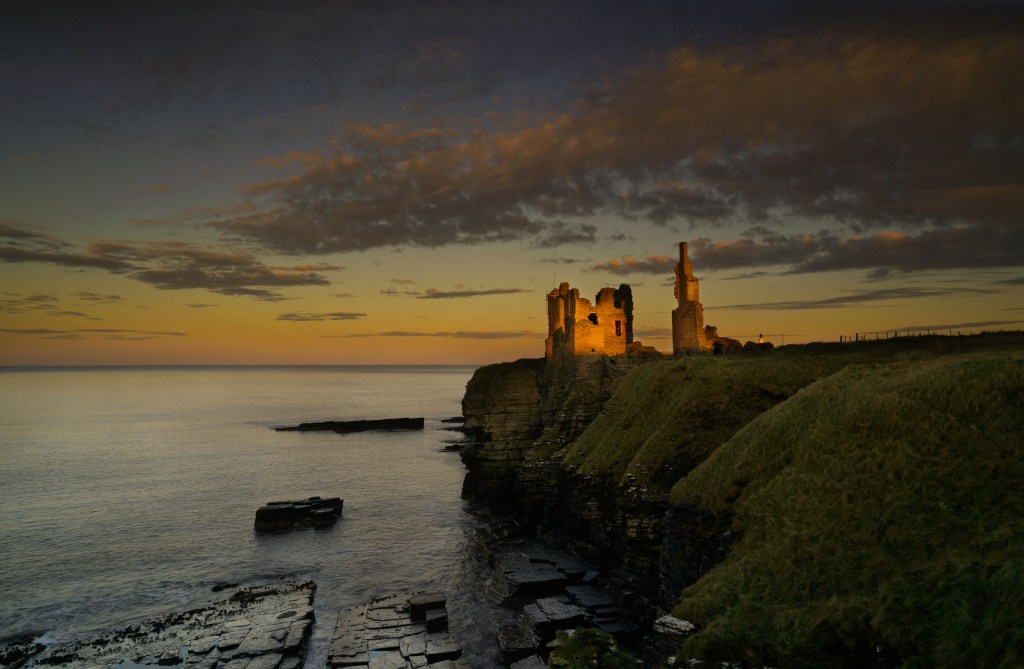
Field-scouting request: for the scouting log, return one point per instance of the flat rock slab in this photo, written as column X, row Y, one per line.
column 532, row 662
column 591, row 596
column 256, row 627
column 404, row 631
column 516, row 642
column 548, row 615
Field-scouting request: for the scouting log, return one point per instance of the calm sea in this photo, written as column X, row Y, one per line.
column 128, row 492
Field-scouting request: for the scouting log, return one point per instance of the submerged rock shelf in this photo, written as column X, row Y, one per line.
column 350, row 426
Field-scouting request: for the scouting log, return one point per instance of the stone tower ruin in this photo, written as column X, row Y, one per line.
column 688, row 335
column 575, row 327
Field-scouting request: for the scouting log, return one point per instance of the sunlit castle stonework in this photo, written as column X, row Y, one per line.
column 688, row 334
column 575, row 327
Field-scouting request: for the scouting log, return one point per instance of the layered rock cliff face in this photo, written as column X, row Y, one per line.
column 502, row 408
column 588, row 451
column 522, row 416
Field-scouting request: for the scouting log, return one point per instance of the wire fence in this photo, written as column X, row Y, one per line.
column 779, row 339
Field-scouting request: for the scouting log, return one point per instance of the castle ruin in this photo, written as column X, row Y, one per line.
column 575, row 327
column 688, row 333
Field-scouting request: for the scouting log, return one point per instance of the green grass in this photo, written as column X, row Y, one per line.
column 882, row 505
column 667, row 417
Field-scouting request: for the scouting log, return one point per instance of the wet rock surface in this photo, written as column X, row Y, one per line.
column 257, row 627
column 405, row 631
column 318, row 512
column 554, row 590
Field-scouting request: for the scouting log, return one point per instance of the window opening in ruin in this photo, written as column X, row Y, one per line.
column 618, row 328
column 593, row 318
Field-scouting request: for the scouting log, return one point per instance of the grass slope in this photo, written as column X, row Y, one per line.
column 667, row 417
column 880, row 506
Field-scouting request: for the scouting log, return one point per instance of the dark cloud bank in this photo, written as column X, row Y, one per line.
column 902, row 141
column 167, row 265
column 907, row 147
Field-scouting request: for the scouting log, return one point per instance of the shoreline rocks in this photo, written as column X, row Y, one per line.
column 263, row 626
column 405, row 631
column 555, row 590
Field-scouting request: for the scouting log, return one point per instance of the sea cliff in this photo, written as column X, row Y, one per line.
column 660, row 472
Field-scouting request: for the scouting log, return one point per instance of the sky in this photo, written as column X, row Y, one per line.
column 340, row 182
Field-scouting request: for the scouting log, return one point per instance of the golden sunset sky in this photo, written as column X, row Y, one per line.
column 361, row 182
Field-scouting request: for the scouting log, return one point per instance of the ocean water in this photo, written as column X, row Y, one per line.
column 127, row 493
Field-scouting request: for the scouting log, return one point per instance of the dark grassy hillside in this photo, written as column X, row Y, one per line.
column 666, row 417
column 880, row 506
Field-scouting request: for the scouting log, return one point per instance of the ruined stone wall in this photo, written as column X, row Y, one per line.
column 577, row 328
column 614, row 311
column 588, row 338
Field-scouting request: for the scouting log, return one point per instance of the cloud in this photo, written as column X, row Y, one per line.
column 167, row 265
column 318, row 267
column 74, row 314
column 559, row 233
column 145, row 332
column 823, row 125
column 96, row 297
column 30, row 331
column 857, row 298
column 434, row 294
column 201, row 305
column 561, row 261
column 391, row 291
column 649, row 265
column 93, row 333
column 332, row 316
column 17, row 303
column 18, row 244
column 403, row 282
column 963, row 246
column 453, row 334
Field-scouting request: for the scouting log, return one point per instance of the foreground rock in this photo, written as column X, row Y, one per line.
column 257, row 627
column 310, row 512
column 347, row 426
column 397, row 632
column 557, row 591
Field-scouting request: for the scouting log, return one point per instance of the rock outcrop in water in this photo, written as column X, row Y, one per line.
column 315, row 512
column 350, row 426
column 257, row 627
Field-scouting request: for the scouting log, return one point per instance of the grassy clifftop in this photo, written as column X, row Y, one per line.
column 880, row 506
column 877, row 490
column 667, row 417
